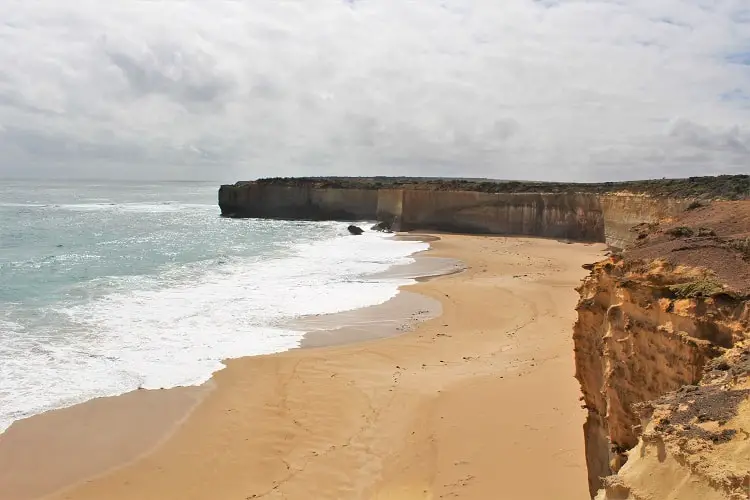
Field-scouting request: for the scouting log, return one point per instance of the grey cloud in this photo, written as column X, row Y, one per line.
column 582, row 90
column 732, row 139
column 172, row 73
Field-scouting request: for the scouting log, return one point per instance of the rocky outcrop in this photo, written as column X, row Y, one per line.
column 661, row 349
column 382, row 227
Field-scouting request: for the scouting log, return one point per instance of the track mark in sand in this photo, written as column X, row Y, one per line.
column 396, row 378
column 368, row 424
column 284, row 404
column 461, row 483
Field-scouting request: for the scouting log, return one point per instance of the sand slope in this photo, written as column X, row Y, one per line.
column 479, row 403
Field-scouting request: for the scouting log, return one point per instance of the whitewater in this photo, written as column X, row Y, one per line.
column 108, row 287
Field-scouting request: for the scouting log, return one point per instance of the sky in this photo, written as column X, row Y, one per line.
column 579, row 90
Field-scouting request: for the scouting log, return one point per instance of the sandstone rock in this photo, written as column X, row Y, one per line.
column 664, row 374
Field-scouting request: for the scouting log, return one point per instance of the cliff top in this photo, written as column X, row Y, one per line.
column 714, row 236
column 727, row 187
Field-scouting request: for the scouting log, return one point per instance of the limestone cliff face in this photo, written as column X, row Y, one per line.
column 297, row 202
column 646, row 329
column 575, row 216
column 571, row 216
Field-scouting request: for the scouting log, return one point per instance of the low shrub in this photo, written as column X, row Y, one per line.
column 695, row 289
column 741, row 245
column 680, row 231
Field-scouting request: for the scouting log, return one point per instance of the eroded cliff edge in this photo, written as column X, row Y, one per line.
column 662, row 348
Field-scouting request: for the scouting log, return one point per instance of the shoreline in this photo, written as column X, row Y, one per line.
column 174, row 405
column 398, row 315
column 292, row 424
column 129, row 332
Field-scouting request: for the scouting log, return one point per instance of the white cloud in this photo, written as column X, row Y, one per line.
column 567, row 89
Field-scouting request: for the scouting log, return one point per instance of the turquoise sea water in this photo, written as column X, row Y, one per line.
column 108, row 287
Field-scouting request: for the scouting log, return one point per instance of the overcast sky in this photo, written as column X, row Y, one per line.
column 226, row 90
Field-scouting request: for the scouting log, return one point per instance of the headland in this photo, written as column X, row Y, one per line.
column 603, row 212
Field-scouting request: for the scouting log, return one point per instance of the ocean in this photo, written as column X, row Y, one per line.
column 108, row 287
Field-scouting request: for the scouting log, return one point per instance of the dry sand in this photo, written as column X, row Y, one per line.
column 477, row 403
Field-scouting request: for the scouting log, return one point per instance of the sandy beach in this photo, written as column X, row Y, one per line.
column 477, row 403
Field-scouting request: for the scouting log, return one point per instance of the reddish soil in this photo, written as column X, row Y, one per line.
column 715, row 236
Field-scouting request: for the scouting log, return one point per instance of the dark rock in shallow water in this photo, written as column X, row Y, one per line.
column 355, row 230
column 383, row 227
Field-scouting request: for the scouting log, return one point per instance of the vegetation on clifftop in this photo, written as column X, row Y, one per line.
column 697, row 288
column 727, row 187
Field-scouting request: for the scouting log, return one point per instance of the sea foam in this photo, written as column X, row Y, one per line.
column 175, row 326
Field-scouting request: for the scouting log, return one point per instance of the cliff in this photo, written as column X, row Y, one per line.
column 662, row 351
column 582, row 212
column 662, row 340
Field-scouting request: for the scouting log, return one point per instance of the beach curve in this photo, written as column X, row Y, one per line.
column 472, row 404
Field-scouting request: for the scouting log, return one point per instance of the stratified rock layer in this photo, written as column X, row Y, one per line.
column 661, row 347
column 695, row 443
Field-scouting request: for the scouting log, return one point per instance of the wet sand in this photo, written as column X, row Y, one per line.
column 45, row 453
column 478, row 403
column 400, row 314
column 86, row 440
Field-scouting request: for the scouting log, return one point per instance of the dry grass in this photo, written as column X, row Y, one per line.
column 696, row 289
column 680, row 232
column 741, row 245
